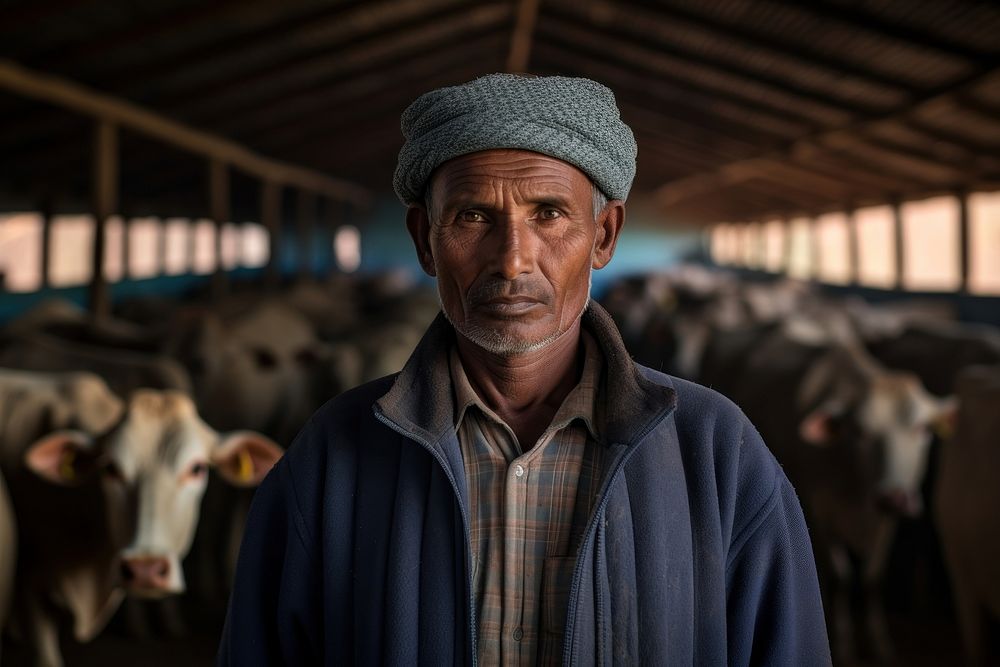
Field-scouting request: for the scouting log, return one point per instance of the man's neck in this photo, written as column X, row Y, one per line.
column 524, row 390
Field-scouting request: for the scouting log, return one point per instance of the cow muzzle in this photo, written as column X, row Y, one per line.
column 148, row 576
column 899, row 501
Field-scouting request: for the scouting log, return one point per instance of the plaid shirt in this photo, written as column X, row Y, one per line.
column 529, row 511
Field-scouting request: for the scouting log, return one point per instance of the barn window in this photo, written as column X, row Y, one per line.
column 876, row 232
column 204, row 247
column 725, row 244
column 256, row 245
column 230, row 252
column 752, row 246
column 717, row 245
column 144, row 247
column 70, row 259
column 176, row 233
column 114, row 249
column 774, row 246
column 931, row 254
column 984, row 243
column 347, row 248
column 20, row 252
column 800, row 259
column 834, row 241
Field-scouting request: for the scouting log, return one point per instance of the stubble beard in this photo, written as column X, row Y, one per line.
column 506, row 345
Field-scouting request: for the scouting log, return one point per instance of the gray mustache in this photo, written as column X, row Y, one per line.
column 499, row 288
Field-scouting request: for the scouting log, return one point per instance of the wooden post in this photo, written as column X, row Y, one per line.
column 897, row 218
column 853, row 250
column 105, row 202
column 218, row 197
column 815, row 250
column 45, row 207
column 307, row 227
column 270, row 217
column 964, row 238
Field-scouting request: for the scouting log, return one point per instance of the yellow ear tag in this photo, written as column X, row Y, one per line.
column 245, row 472
column 942, row 426
column 66, row 469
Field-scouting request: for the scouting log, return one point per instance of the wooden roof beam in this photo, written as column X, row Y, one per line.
column 632, row 53
column 677, row 56
column 675, row 191
column 278, row 80
column 729, row 111
column 772, row 42
column 519, row 54
column 77, row 98
column 853, row 17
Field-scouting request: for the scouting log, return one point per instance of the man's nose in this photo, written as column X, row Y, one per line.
column 516, row 248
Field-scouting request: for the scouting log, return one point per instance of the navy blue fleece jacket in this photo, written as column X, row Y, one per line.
column 357, row 545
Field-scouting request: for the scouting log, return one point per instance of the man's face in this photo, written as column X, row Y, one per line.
column 511, row 237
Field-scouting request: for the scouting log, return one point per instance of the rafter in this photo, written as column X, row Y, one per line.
column 660, row 90
column 675, row 191
column 677, row 57
column 853, row 17
column 684, row 72
column 519, row 53
column 674, row 17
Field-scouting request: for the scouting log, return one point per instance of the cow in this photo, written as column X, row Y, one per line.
column 123, row 369
column 937, row 352
column 110, row 512
column 263, row 369
column 966, row 513
column 853, row 439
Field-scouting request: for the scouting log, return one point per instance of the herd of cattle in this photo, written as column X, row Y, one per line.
column 109, row 431
column 877, row 415
column 129, row 446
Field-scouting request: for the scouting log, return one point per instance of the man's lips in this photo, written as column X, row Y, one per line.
column 509, row 304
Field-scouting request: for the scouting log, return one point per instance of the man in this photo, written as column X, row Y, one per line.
column 522, row 492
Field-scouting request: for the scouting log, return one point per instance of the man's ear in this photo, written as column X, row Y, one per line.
column 418, row 223
column 609, row 225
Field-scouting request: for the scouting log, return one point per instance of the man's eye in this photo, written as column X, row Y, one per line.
column 549, row 214
column 471, row 216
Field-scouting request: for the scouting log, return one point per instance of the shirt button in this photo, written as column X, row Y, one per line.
column 517, row 634
column 519, row 471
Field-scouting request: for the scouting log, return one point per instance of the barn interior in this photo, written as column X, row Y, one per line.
column 174, row 155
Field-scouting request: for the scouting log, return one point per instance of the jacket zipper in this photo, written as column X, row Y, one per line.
column 589, row 537
column 465, row 518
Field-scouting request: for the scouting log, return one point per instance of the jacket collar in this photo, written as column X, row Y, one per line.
column 421, row 400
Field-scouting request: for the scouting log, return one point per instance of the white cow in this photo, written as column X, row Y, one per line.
column 114, row 512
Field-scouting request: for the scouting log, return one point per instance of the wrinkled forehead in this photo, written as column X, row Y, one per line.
column 533, row 174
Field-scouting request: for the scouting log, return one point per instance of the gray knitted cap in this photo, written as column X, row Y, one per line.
column 572, row 119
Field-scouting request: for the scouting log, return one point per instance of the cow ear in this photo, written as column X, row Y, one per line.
column 62, row 457
column 243, row 458
column 946, row 419
column 817, row 428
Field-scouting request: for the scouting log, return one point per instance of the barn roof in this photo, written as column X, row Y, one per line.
column 742, row 109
